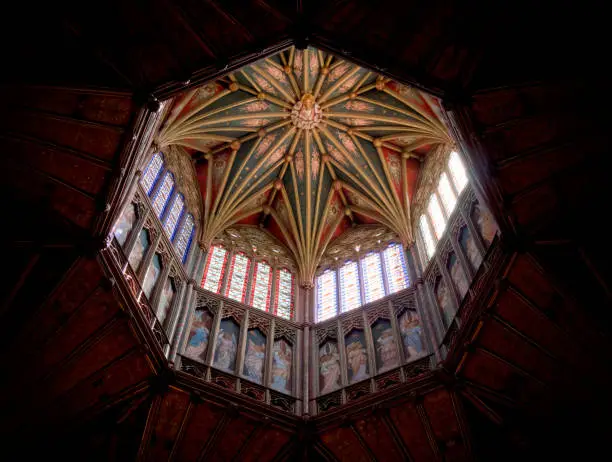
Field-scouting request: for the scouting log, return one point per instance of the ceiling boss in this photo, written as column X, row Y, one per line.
column 306, row 146
column 306, row 114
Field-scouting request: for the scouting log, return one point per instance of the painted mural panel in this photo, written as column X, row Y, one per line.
column 356, row 356
column 485, row 223
column 387, row 355
column 412, row 335
column 255, row 356
column 165, row 299
column 443, row 298
column 140, row 248
column 282, row 361
column 152, row 275
column 466, row 240
column 227, row 345
column 124, row 224
column 329, row 367
column 457, row 275
column 197, row 345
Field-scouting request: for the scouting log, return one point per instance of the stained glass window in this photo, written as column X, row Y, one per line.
column 184, row 237
column 350, row 290
column 430, row 244
column 262, row 283
column 435, row 212
column 174, row 214
column 214, row 269
column 395, row 265
column 327, row 302
column 457, row 170
column 151, row 173
column 140, row 248
column 449, row 200
column 165, row 300
column 238, row 273
column 163, row 194
column 373, row 278
column 284, row 293
column 152, row 274
column 124, row 224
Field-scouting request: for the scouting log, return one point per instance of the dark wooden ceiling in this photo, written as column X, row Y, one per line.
column 527, row 92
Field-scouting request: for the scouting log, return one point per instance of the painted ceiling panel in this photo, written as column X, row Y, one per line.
column 324, row 138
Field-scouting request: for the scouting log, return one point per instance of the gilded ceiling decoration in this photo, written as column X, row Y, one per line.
column 306, row 145
column 256, row 243
column 353, row 242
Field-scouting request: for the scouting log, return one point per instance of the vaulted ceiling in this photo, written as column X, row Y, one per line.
column 307, row 145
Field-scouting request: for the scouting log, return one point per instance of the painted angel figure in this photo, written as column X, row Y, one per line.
column 281, row 366
column 386, row 350
column 411, row 335
column 329, row 368
column 254, row 361
column 225, row 355
column 357, row 361
column 198, row 338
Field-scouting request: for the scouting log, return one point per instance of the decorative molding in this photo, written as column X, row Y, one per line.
column 286, row 331
column 355, row 321
column 377, row 311
column 204, row 301
column 356, row 391
column 329, row 401
column 329, row 331
column 401, row 304
column 233, row 310
column 258, row 322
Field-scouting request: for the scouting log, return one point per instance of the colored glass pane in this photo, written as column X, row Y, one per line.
column 457, row 169
column 430, row 244
column 437, row 218
column 152, row 274
column 395, row 265
column 140, row 247
column 262, row 283
column 184, row 237
column 174, row 214
column 214, row 269
column 284, row 294
column 124, row 224
column 327, row 302
column 449, row 200
column 151, row 173
column 237, row 282
column 350, row 290
column 373, row 278
column 163, row 194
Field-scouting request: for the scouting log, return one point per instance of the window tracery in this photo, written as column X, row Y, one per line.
column 378, row 273
column 163, row 194
column 262, row 285
column 284, row 294
column 152, row 172
column 237, row 278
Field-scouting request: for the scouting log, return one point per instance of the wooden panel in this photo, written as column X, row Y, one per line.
column 232, row 439
column 344, row 444
column 408, row 423
column 375, row 434
column 171, row 413
column 265, row 446
column 199, row 427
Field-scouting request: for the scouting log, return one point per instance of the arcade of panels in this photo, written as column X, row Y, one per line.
column 327, row 219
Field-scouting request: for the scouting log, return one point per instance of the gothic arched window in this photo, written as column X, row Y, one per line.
column 284, row 294
column 152, row 171
column 372, row 277
column 184, row 238
column 327, row 299
column 350, row 289
column 395, row 266
column 214, row 269
column 163, row 194
column 237, row 278
column 457, row 170
column 174, row 214
column 262, row 285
